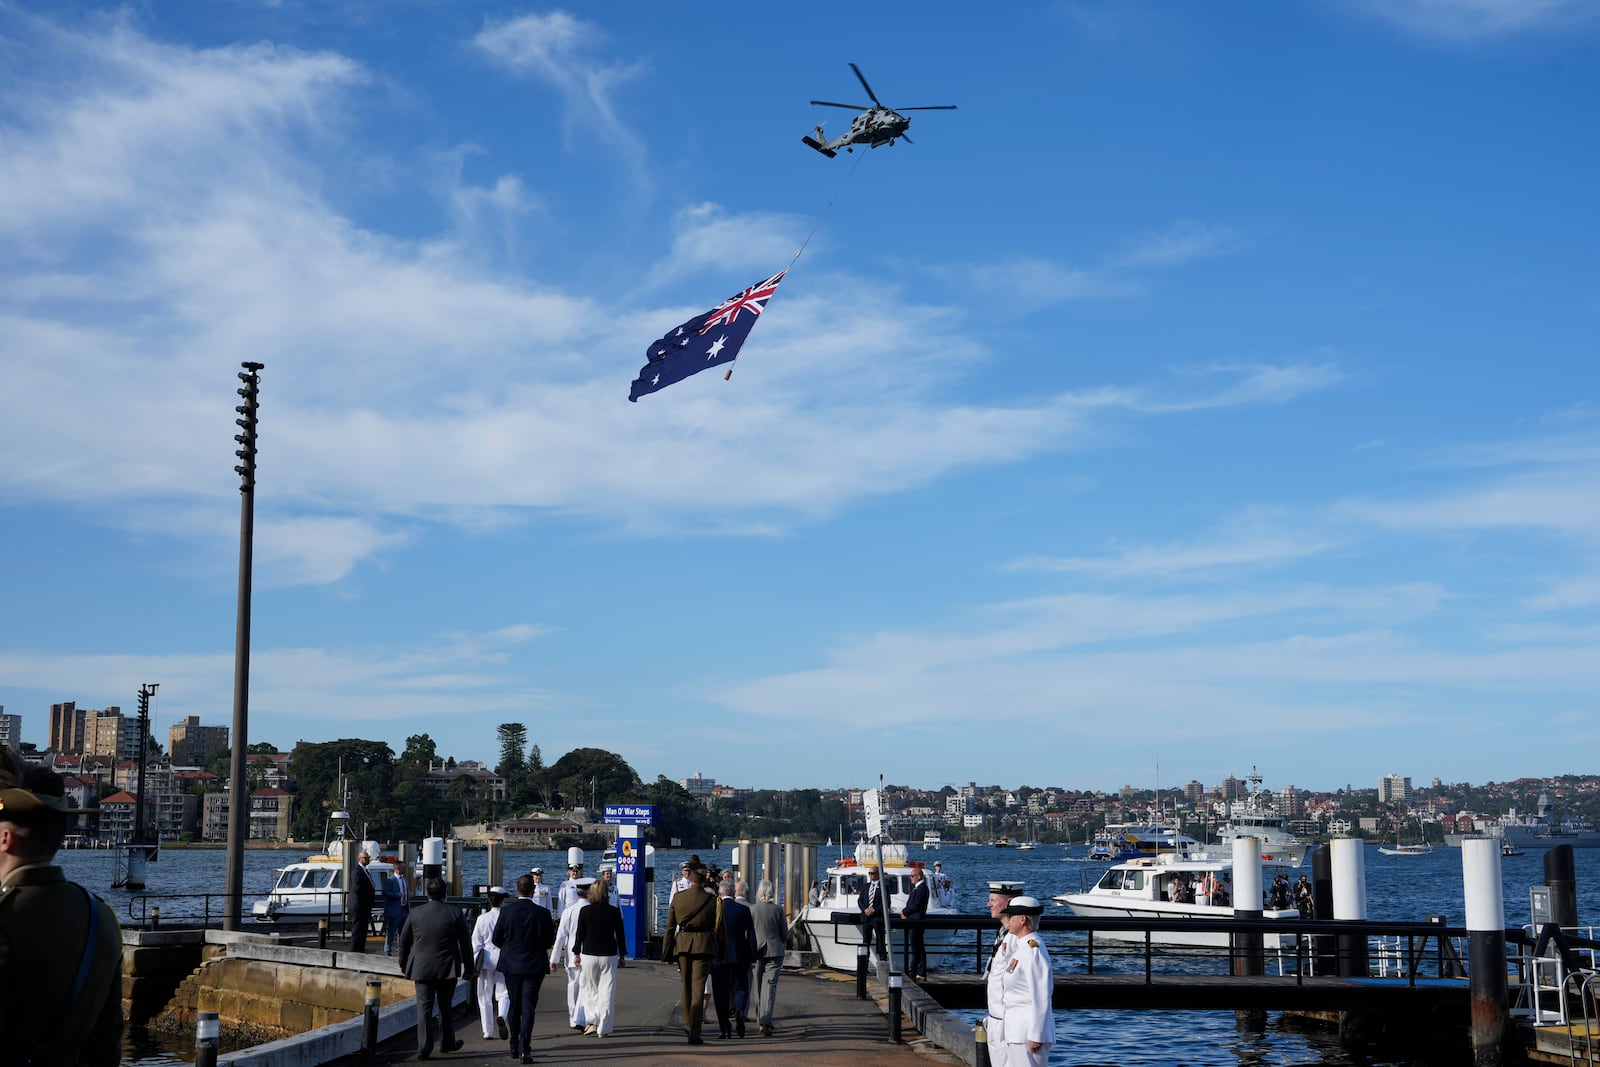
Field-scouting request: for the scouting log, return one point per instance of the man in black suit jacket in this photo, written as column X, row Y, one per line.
column 871, row 902
column 736, row 953
column 362, row 896
column 525, row 934
column 917, row 908
column 434, row 947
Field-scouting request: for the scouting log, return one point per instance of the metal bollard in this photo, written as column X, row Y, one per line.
column 980, row 1035
column 155, row 917
column 207, row 1034
column 322, row 933
column 861, row 971
column 369, row 1020
column 896, row 992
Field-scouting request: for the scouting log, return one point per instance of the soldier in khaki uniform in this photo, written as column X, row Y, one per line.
column 692, row 922
column 60, row 946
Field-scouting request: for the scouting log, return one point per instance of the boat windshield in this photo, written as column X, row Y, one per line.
column 1115, row 879
column 288, row 878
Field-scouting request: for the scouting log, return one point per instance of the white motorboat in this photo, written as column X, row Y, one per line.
column 1141, row 889
column 841, row 893
column 1412, row 849
column 314, row 888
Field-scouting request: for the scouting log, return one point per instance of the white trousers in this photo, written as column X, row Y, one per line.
column 493, row 1000
column 1003, row 1053
column 575, row 1015
column 600, row 992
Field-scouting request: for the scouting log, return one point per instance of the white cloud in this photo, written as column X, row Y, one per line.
column 405, row 382
column 453, row 675
column 557, row 49
column 1180, row 243
column 1464, row 20
column 1227, row 551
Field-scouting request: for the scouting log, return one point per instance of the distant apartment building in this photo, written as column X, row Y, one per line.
column 108, row 732
column 271, row 816
column 189, row 743
column 1393, row 789
column 66, row 727
column 10, row 729
column 698, row 786
column 1234, row 789
column 1194, row 792
column 1292, row 802
column 958, row 805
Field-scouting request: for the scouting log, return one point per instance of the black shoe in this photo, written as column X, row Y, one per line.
column 504, row 1032
column 425, row 1054
column 527, row 1058
column 451, row 1046
column 739, row 1026
column 695, row 1039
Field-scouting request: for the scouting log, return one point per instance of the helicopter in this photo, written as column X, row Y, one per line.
column 874, row 126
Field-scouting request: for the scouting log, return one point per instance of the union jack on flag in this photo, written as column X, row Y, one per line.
column 705, row 340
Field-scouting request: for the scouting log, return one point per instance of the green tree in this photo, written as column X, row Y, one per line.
column 420, row 749
column 586, row 772
column 266, row 748
column 368, row 768
column 513, row 765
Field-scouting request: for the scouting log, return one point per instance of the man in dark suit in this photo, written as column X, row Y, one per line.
column 917, row 908
column 434, row 947
column 736, row 953
column 524, row 933
column 362, row 895
column 871, row 902
column 60, row 946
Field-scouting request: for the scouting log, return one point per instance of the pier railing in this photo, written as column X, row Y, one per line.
column 1406, row 952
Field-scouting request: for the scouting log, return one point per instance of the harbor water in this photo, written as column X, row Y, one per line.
column 1407, row 888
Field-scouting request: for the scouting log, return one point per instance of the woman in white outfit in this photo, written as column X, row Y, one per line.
column 561, row 955
column 601, row 941
column 494, row 1001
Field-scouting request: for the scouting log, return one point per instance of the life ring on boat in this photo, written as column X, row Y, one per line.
column 848, row 861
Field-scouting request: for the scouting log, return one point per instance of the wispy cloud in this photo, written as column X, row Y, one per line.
column 454, row 674
column 559, row 49
column 1182, row 242
column 1248, row 384
column 1228, row 551
column 1030, row 282
column 1466, row 20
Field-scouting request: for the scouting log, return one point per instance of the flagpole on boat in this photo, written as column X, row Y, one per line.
column 814, row 228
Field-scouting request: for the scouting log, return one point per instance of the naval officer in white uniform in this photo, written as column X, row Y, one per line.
column 1028, row 1026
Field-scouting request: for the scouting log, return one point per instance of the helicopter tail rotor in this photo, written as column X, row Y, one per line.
column 816, row 141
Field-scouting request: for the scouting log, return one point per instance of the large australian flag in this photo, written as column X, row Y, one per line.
column 705, row 340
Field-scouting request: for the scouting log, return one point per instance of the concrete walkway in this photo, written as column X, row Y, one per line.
column 819, row 1023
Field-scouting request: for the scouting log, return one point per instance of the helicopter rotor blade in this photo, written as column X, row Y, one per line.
column 865, row 86
column 852, row 107
column 931, row 107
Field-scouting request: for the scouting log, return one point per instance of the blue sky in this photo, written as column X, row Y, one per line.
column 1216, row 387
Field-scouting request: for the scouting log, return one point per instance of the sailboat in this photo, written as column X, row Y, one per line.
column 1417, row 848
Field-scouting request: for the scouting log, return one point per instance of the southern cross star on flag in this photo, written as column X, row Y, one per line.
column 705, row 340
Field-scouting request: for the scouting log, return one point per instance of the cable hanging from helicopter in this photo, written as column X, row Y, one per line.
column 716, row 336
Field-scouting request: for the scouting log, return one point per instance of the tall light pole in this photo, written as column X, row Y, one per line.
column 238, row 787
